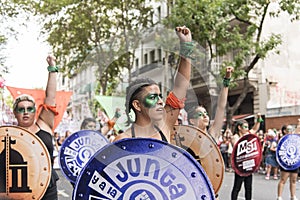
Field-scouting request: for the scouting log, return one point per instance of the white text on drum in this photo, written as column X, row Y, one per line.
column 246, row 147
column 288, row 152
column 103, row 187
column 79, row 152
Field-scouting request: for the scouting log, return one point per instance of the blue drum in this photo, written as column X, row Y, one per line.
column 77, row 149
column 140, row 168
column 288, row 152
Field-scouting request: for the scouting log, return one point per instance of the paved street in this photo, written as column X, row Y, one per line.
column 262, row 189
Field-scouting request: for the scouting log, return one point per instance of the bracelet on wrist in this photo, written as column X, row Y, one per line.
column 52, row 69
column 260, row 120
column 117, row 115
column 226, row 82
column 186, row 49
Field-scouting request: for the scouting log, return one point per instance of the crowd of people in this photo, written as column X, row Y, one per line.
column 269, row 164
column 155, row 118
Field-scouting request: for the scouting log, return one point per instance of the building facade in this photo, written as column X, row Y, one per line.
column 275, row 86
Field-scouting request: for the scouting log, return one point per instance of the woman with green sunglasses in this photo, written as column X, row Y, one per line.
column 24, row 109
column 241, row 129
column 198, row 116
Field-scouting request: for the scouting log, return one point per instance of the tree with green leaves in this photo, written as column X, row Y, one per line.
column 102, row 33
column 231, row 32
column 93, row 33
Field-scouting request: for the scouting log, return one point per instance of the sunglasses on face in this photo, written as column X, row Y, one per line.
column 245, row 126
column 25, row 109
column 151, row 100
column 200, row 114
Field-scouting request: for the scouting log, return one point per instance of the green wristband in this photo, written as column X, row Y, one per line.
column 52, row 69
column 186, row 49
column 260, row 120
column 226, row 82
column 117, row 115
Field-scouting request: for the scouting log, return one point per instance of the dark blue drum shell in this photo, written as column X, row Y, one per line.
column 288, row 152
column 140, row 168
column 77, row 149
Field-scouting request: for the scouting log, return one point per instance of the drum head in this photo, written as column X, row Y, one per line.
column 140, row 168
column 288, row 152
column 246, row 155
column 25, row 164
column 203, row 148
column 77, row 149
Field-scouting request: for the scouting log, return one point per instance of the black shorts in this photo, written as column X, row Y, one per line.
column 291, row 171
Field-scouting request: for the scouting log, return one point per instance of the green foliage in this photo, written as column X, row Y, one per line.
column 230, row 28
column 230, row 31
column 93, row 33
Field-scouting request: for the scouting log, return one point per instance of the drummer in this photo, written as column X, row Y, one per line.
column 241, row 129
column 153, row 117
column 198, row 116
column 285, row 174
column 25, row 111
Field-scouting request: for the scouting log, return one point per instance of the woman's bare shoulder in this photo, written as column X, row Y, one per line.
column 124, row 135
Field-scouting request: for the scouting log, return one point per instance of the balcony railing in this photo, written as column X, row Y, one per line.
column 146, row 68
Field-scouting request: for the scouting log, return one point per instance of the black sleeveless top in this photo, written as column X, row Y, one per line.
column 46, row 137
column 48, row 141
column 163, row 137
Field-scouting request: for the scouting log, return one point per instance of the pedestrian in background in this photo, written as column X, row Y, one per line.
column 287, row 174
column 270, row 154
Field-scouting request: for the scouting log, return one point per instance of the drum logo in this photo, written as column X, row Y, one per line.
column 12, row 161
column 78, row 153
column 288, row 152
column 249, row 148
column 135, row 172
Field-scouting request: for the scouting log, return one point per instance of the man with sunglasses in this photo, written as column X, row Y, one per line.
column 241, row 129
column 24, row 109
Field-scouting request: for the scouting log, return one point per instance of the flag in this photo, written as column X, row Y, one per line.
column 62, row 99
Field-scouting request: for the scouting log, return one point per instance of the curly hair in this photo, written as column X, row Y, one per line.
column 133, row 91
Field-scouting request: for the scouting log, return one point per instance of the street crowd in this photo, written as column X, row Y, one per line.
column 156, row 119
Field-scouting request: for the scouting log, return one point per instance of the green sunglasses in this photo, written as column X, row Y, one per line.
column 200, row 114
column 23, row 110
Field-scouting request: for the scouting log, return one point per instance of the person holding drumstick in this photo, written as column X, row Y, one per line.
column 25, row 111
column 154, row 118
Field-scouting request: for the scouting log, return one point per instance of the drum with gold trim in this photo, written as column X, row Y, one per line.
column 25, row 164
column 204, row 149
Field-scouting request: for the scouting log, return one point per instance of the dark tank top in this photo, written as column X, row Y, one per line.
column 163, row 137
column 48, row 141
column 46, row 137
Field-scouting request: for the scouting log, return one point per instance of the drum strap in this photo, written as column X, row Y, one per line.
column 163, row 137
